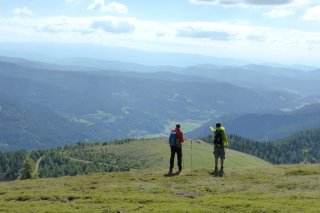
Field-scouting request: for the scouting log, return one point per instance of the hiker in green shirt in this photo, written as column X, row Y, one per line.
column 220, row 141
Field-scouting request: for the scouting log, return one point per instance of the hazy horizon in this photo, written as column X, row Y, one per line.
column 281, row 32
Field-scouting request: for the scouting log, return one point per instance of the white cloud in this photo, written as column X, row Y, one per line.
column 247, row 41
column 74, row 1
column 277, row 8
column 292, row 8
column 24, row 11
column 312, row 14
column 242, row 2
column 219, row 39
column 280, row 12
column 111, row 7
column 207, row 34
column 267, row 2
column 112, row 26
column 215, row 31
column 207, row 2
column 97, row 4
column 84, row 26
column 203, row 30
column 114, row 6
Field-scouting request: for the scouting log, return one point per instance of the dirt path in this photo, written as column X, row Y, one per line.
column 37, row 164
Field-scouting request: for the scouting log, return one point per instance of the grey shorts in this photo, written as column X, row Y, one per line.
column 219, row 152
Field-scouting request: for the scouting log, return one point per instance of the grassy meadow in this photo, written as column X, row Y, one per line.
column 293, row 188
column 155, row 154
column 249, row 185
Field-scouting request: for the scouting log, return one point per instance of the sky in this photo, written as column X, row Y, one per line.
column 278, row 31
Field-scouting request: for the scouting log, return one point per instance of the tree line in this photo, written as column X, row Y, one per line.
column 300, row 147
column 78, row 159
column 84, row 158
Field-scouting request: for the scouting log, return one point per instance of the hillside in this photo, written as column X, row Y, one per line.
column 302, row 146
column 292, row 188
column 22, row 127
column 123, row 106
column 119, row 156
column 155, row 153
column 267, row 126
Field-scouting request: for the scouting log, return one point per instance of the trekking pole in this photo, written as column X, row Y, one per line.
column 183, row 162
column 191, row 156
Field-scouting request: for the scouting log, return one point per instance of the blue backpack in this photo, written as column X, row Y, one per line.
column 173, row 138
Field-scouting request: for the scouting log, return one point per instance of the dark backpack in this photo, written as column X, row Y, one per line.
column 218, row 140
column 173, row 138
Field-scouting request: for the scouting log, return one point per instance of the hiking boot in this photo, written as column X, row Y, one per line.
column 215, row 173
column 221, row 173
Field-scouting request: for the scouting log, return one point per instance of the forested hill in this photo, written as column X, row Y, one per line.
column 26, row 127
column 99, row 105
column 299, row 147
column 122, row 155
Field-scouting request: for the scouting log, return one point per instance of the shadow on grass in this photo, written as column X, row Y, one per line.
column 172, row 174
column 220, row 174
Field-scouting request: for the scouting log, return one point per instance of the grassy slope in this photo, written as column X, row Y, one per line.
column 249, row 185
column 155, row 153
column 293, row 188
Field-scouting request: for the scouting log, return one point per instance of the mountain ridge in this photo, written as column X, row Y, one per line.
column 126, row 106
column 268, row 126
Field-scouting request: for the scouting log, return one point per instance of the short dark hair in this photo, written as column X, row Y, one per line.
column 218, row 125
column 178, row 126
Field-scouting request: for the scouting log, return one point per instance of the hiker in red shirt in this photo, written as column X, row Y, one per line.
column 175, row 141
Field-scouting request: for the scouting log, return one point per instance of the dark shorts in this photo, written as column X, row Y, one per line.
column 219, row 152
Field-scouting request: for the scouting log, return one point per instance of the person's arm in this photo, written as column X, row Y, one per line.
column 212, row 129
column 225, row 138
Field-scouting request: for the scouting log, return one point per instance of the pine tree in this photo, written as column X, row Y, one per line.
column 305, row 153
column 28, row 168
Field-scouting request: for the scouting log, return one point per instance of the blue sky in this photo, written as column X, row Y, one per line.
column 281, row 31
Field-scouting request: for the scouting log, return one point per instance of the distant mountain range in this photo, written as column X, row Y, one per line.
column 261, row 77
column 103, row 104
column 269, row 126
column 57, row 53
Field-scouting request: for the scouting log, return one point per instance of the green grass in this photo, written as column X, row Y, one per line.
column 155, row 153
column 266, row 189
column 249, row 185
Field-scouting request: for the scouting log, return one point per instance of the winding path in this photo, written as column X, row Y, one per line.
column 37, row 164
